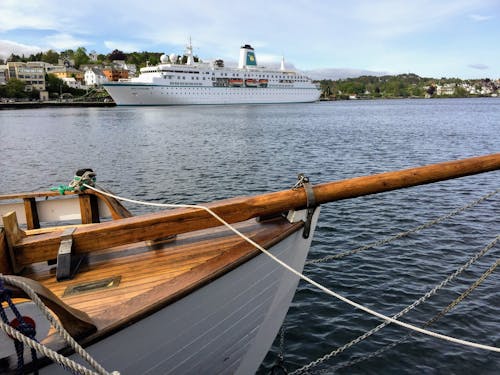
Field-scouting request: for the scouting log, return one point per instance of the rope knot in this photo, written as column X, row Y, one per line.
column 83, row 177
column 25, row 325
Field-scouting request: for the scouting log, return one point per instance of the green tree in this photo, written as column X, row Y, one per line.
column 460, row 92
column 81, row 57
column 14, row 58
column 54, row 85
column 15, row 88
column 69, row 53
column 50, row 57
column 431, row 90
column 117, row 55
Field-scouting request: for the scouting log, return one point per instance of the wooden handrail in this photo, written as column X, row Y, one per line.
column 35, row 194
column 165, row 223
column 76, row 322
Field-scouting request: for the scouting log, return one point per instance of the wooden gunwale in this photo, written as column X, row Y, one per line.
column 174, row 271
column 165, row 223
column 35, row 194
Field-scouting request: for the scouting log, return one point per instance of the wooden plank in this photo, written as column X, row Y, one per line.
column 77, row 323
column 31, row 211
column 118, row 210
column 161, row 291
column 5, row 263
column 35, row 194
column 13, row 234
column 89, row 209
column 32, row 232
column 166, row 223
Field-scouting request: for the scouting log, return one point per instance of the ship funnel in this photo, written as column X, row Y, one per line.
column 247, row 57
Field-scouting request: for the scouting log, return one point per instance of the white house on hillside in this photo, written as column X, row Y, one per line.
column 132, row 69
column 72, row 82
column 94, row 77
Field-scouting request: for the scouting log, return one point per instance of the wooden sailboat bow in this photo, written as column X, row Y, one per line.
column 166, row 223
column 106, row 277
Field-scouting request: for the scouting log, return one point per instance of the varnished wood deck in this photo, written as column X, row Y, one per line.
column 153, row 276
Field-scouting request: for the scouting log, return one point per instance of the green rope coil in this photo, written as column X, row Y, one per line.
column 62, row 189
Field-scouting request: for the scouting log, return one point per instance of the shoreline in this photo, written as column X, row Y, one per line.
column 27, row 105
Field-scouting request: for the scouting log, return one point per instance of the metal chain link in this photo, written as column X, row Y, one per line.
column 438, row 316
column 402, row 312
column 281, row 354
column 402, row 234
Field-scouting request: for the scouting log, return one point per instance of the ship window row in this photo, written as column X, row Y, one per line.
column 276, row 92
column 282, row 77
column 186, row 83
column 182, row 71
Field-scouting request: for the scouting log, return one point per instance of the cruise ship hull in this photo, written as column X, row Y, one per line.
column 142, row 94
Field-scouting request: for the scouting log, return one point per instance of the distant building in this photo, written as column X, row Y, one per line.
column 446, row 89
column 93, row 56
column 67, row 62
column 65, row 72
column 43, row 64
column 94, row 77
column 113, row 73
column 4, row 74
column 73, row 83
column 121, row 64
column 32, row 74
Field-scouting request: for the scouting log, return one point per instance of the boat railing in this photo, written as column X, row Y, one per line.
column 54, row 208
column 163, row 224
column 45, row 212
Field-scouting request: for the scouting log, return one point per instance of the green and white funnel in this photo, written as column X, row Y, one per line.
column 247, row 57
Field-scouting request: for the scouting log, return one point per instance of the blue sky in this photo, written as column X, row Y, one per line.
column 431, row 38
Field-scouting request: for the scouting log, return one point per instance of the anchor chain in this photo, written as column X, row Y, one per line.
column 279, row 366
column 401, row 313
column 431, row 321
column 399, row 235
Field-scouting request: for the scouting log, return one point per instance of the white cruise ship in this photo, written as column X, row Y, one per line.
column 174, row 83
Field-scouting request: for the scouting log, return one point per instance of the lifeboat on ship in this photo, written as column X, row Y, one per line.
column 250, row 82
column 236, row 82
column 263, row 82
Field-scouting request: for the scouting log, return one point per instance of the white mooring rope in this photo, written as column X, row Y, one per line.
column 305, row 278
column 46, row 351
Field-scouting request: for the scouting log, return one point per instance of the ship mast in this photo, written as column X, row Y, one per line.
column 189, row 53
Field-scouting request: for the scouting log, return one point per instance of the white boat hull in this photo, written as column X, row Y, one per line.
column 142, row 94
column 225, row 327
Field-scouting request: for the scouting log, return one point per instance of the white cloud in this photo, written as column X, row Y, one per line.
column 63, row 41
column 8, row 47
column 33, row 14
column 479, row 66
column 391, row 18
column 479, row 18
column 123, row 46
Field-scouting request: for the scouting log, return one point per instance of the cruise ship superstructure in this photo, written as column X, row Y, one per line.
column 175, row 83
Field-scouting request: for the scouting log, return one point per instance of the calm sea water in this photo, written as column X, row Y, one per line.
column 199, row 154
